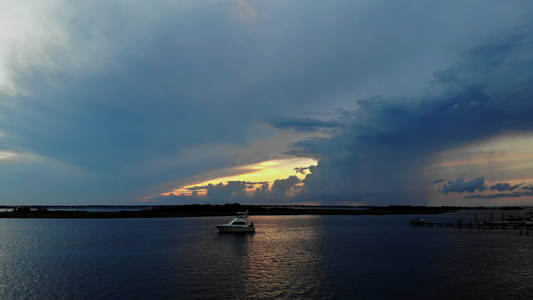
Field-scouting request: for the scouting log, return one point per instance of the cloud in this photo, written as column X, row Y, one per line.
column 500, row 187
column 462, row 186
column 302, row 124
column 380, row 157
column 502, row 195
column 130, row 89
column 232, row 190
column 246, row 10
column 262, row 193
column 511, row 191
column 237, row 191
column 282, row 187
column 120, row 98
column 301, row 170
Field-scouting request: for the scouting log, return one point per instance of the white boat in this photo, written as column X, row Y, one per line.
column 239, row 224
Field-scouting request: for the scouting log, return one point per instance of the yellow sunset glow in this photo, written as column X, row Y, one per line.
column 505, row 154
column 6, row 154
column 266, row 171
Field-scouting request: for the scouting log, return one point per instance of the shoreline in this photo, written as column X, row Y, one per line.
column 219, row 210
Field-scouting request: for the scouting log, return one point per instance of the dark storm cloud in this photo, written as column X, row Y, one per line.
column 124, row 97
column 381, row 155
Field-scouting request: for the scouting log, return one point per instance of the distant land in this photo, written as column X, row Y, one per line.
column 197, row 210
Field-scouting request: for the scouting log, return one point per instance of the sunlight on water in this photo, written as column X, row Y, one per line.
column 287, row 257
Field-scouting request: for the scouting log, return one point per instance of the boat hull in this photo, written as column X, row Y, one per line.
column 226, row 228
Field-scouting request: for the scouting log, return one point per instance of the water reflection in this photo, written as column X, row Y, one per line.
column 284, row 259
column 303, row 257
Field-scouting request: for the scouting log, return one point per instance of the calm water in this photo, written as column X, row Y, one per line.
column 289, row 257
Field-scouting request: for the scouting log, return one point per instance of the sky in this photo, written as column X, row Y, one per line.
column 345, row 102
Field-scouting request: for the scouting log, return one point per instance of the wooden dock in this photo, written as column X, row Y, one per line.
column 517, row 225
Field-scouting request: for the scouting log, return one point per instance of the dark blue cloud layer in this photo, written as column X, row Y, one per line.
column 134, row 95
column 460, row 185
column 381, row 155
column 303, row 124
